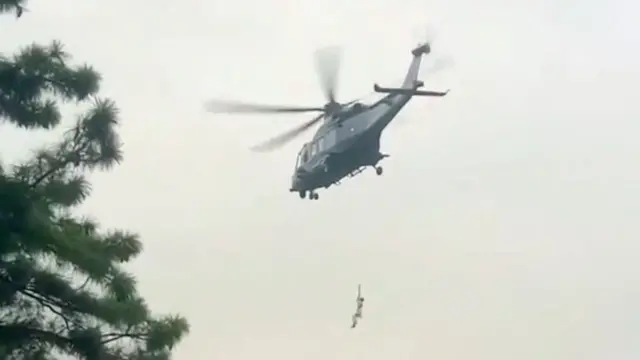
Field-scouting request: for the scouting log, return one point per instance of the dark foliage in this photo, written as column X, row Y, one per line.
column 16, row 6
column 62, row 286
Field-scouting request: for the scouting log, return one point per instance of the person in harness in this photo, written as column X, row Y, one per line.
column 359, row 304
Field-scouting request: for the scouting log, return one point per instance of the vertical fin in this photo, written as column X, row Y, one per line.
column 414, row 68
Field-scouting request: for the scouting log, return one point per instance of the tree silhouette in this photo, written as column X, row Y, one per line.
column 63, row 290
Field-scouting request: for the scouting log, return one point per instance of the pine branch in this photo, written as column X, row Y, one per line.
column 42, row 310
column 36, row 72
column 25, row 332
column 43, row 301
column 128, row 333
column 16, row 6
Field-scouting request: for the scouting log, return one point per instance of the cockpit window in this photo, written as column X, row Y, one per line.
column 303, row 155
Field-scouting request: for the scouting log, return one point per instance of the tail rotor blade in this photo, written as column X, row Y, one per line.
column 441, row 63
column 430, row 35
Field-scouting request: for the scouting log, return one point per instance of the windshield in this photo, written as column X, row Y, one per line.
column 302, row 156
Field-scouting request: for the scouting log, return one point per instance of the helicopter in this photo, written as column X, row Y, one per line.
column 348, row 140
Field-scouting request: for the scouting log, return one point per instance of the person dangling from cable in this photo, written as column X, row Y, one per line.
column 359, row 304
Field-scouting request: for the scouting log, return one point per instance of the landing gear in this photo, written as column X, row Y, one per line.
column 379, row 169
column 312, row 195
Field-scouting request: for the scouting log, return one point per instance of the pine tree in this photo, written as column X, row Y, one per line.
column 63, row 290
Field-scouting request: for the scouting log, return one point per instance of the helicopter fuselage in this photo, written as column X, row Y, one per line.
column 345, row 145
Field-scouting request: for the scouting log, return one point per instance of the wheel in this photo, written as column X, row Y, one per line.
column 314, row 196
column 303, row 194
column 379, row 170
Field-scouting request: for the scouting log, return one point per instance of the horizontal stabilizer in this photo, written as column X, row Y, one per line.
column 408, row 91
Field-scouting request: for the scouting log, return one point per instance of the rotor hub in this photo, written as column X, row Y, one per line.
column 332, row 107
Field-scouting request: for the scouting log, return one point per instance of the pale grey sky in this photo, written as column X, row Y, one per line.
column 502, row 229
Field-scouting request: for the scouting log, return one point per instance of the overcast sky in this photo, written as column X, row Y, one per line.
column 505, row 225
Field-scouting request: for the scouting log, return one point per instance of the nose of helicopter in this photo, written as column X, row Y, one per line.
column 298, row 180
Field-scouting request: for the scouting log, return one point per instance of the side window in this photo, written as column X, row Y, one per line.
column 330, row 138
column 305, row 155
column 321, row 144
column 314, row 148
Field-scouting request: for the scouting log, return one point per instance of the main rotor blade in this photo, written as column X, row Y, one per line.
column 237, row 107
column 327, row 66
column 284, row 138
